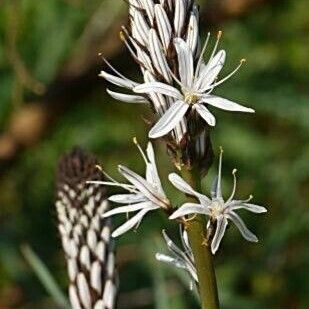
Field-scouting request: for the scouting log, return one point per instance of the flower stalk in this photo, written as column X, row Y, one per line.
column 201, row 250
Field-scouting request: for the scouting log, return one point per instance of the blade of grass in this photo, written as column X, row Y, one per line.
column 44, row 276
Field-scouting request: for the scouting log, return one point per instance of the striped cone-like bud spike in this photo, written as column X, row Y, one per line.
column 85, row 235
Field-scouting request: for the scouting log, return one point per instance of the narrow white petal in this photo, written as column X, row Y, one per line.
column 159, row 101
column 127, row 198
column 130, row 223
column 189, row 209
column 154, row 171
column 205, row 114
column 169, row 120
column 128, row 98
column 126, row 209
column 121, row 82
column 220, row 230
column 185, row 62
column 142, row 185
column 210, row 72
column 170, row 260
column 245, row 232
column 183, row 186
column 159, row 88
column 225, row 104
column 250, row 207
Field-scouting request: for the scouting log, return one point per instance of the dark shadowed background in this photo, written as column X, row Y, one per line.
column 52, row 99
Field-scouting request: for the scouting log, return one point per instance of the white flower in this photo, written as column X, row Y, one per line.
column 196, row 85
column 216, row 208
column 182, row 259
column 145, row 194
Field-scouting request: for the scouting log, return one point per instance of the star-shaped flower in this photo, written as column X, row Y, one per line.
column 145, row 194
column 195, row 84
column 218, row 210
column 179, row 258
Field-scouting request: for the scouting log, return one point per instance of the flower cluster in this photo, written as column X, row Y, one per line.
column 217, row 210
column 163, row 38
column 145, row 194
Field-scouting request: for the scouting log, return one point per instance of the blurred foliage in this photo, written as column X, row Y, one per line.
column 270, row 150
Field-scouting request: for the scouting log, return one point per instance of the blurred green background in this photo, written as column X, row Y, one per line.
column 51, row 99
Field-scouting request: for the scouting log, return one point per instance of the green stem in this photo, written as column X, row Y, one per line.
column 201, row 251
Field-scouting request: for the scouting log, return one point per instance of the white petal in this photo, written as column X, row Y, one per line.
column 126, row 209
column 205, row 114
column 142, row 185
column 154, row 171
column 189, row 209
column 121, row 82
column 250, row 207
column 225, row 104
column 127, row 198
column 185, row 62
column 183, row 186
column 220, row 230
column 170, row 260
column 131, row 222
column 159, row 88
column 128, row 98
column 210, row 72
column 248, row 235
column 169, row 120
column 159, row 101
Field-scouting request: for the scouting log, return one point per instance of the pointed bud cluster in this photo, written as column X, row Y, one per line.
column 85, row 235
column 180, row 258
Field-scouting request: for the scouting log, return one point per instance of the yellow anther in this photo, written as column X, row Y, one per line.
column 135, row 140
column 99, row 168
column 243, row 60
column 219, row 34
column 122, row 36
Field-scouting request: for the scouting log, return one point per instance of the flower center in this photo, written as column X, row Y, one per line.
column 191, row 98
column 216, row 208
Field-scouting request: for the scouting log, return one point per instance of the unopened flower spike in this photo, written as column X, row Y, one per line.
column 217, row 210
column 144, row 193
column 180, row 258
